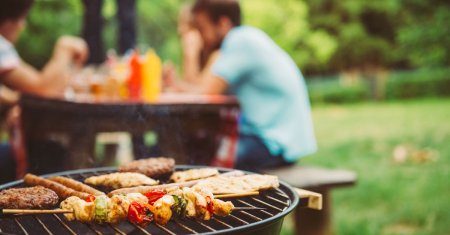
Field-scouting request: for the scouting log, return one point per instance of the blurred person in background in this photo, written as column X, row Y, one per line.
column 276, row 127
column 196, row 57
column 93, row 25
column 16, row 74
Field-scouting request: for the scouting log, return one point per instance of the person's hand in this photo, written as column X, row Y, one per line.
column 192, row 43
column 72, row 47
column 169, row 77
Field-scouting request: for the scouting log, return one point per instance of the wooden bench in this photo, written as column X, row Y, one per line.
column 319, row 180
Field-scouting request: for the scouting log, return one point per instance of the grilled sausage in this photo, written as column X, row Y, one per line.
column 76, row 185
column 62, row 191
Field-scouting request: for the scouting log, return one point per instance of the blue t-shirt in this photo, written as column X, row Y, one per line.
column 271, row 91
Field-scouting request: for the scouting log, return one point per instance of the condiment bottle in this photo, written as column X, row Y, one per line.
column 134, row 82
column 151, row 77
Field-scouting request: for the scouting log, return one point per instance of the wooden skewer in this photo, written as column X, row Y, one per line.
column 236, row 195
column 62, row 211
column 32, row 212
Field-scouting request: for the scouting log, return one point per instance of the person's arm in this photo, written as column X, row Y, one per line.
column 210, row 85
column 69, row 51
column 192, row 46
column 207, row 82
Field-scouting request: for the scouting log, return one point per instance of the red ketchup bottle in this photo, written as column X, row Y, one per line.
column 134, row 82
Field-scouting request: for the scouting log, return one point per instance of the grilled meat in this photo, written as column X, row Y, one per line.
column 151, row 167
column 181, row 203
column 102, row 209
column 36, row 197
column 162, row 209
column 143, row 189
column 62, row 191
column 76, row 185
column 193, row 174
column 83, row 211
column 121, row 180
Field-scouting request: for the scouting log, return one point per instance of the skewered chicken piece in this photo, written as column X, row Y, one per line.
column 101, row 209
column 186, row 202
column 162, row 209
column 158, row 205
column 83, row 210
column 121, row 180
column 119, row 205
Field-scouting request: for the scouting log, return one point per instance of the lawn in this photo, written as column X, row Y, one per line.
column 401, row 153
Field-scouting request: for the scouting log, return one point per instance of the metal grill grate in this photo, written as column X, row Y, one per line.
column 278, row 202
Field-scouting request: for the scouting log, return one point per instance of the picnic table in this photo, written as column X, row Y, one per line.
column 61, row 134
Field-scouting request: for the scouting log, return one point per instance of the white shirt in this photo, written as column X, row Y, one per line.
column 9, row 59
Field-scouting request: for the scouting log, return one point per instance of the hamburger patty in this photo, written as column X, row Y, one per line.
column 36, row 197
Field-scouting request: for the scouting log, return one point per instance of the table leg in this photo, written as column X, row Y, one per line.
column 81, row 151
column 314, row 222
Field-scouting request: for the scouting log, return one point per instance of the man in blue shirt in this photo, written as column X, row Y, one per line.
column 276, row 127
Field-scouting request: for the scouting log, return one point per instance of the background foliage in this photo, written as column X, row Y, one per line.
column 323, row 36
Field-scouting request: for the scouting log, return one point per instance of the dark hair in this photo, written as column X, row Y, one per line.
column 216, row 9
column 14, row 9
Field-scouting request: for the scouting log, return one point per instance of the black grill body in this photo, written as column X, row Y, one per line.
column 278, row 203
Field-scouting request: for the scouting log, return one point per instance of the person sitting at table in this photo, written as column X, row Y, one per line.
column 69, row 51
column 197, row 58
column 276, row 127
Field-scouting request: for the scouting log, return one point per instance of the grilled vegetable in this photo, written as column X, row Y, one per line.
column 209, row 205
column 90, row 198
column 139, row 214
column 154, row 195
column 101, row 209
column 179, row 208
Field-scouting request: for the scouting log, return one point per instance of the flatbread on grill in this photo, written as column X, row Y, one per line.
column 239, row 184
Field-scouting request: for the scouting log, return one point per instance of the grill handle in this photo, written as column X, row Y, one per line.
column 314, row 199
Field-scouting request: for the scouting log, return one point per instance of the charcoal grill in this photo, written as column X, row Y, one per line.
column 278, row 203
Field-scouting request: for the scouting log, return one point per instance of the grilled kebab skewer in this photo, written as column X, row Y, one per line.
column 157, row 205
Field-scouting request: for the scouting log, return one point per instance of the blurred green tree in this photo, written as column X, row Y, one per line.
column 424, row 36
column 364, row 30
column 384, row 33
column 286, row 21
column 47, row 21
column 323, row 36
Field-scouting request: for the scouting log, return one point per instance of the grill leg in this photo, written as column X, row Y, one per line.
column 314, row 222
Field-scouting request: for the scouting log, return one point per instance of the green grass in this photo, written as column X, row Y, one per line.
column 390, row 197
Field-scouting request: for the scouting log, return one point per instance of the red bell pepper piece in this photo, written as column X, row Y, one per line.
column 90, row 198
column 154, row 195
column 139, row 214
column 209, row 205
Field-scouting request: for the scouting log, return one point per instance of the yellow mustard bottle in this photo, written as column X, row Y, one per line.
column 151, row 77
